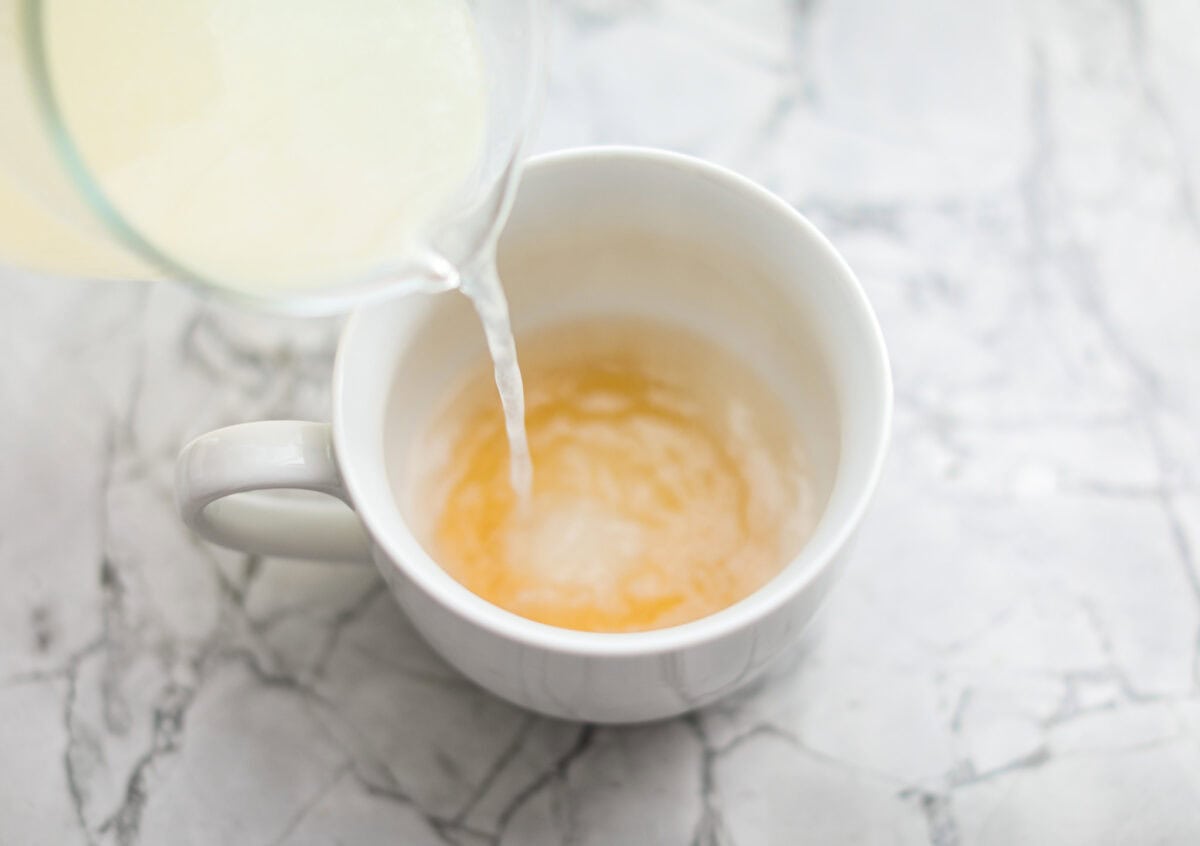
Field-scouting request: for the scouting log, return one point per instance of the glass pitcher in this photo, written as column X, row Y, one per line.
column 305, row 155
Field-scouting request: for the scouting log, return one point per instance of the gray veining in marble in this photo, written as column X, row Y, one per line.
column 1014, row 656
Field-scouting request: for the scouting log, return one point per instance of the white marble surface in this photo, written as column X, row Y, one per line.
column 1013, row 658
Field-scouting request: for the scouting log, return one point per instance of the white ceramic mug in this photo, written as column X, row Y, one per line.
column 739, row 265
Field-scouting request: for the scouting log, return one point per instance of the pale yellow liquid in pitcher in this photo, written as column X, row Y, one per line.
column 264, row 146
column 260, row 144
column 668, row 483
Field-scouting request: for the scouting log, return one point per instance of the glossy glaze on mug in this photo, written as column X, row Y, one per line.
column 793, row 310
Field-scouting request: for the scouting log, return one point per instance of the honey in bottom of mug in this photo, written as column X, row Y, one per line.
column 669, row 482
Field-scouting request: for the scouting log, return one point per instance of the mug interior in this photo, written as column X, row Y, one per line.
column 620, row 232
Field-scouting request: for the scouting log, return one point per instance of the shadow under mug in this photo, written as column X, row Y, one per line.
column 712, row 252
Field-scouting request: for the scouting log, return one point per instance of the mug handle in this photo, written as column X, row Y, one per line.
column 220, row 484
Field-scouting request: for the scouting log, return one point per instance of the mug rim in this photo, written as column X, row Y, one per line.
column 457, row 598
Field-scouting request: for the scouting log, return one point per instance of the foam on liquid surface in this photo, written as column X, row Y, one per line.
column 668, row 482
